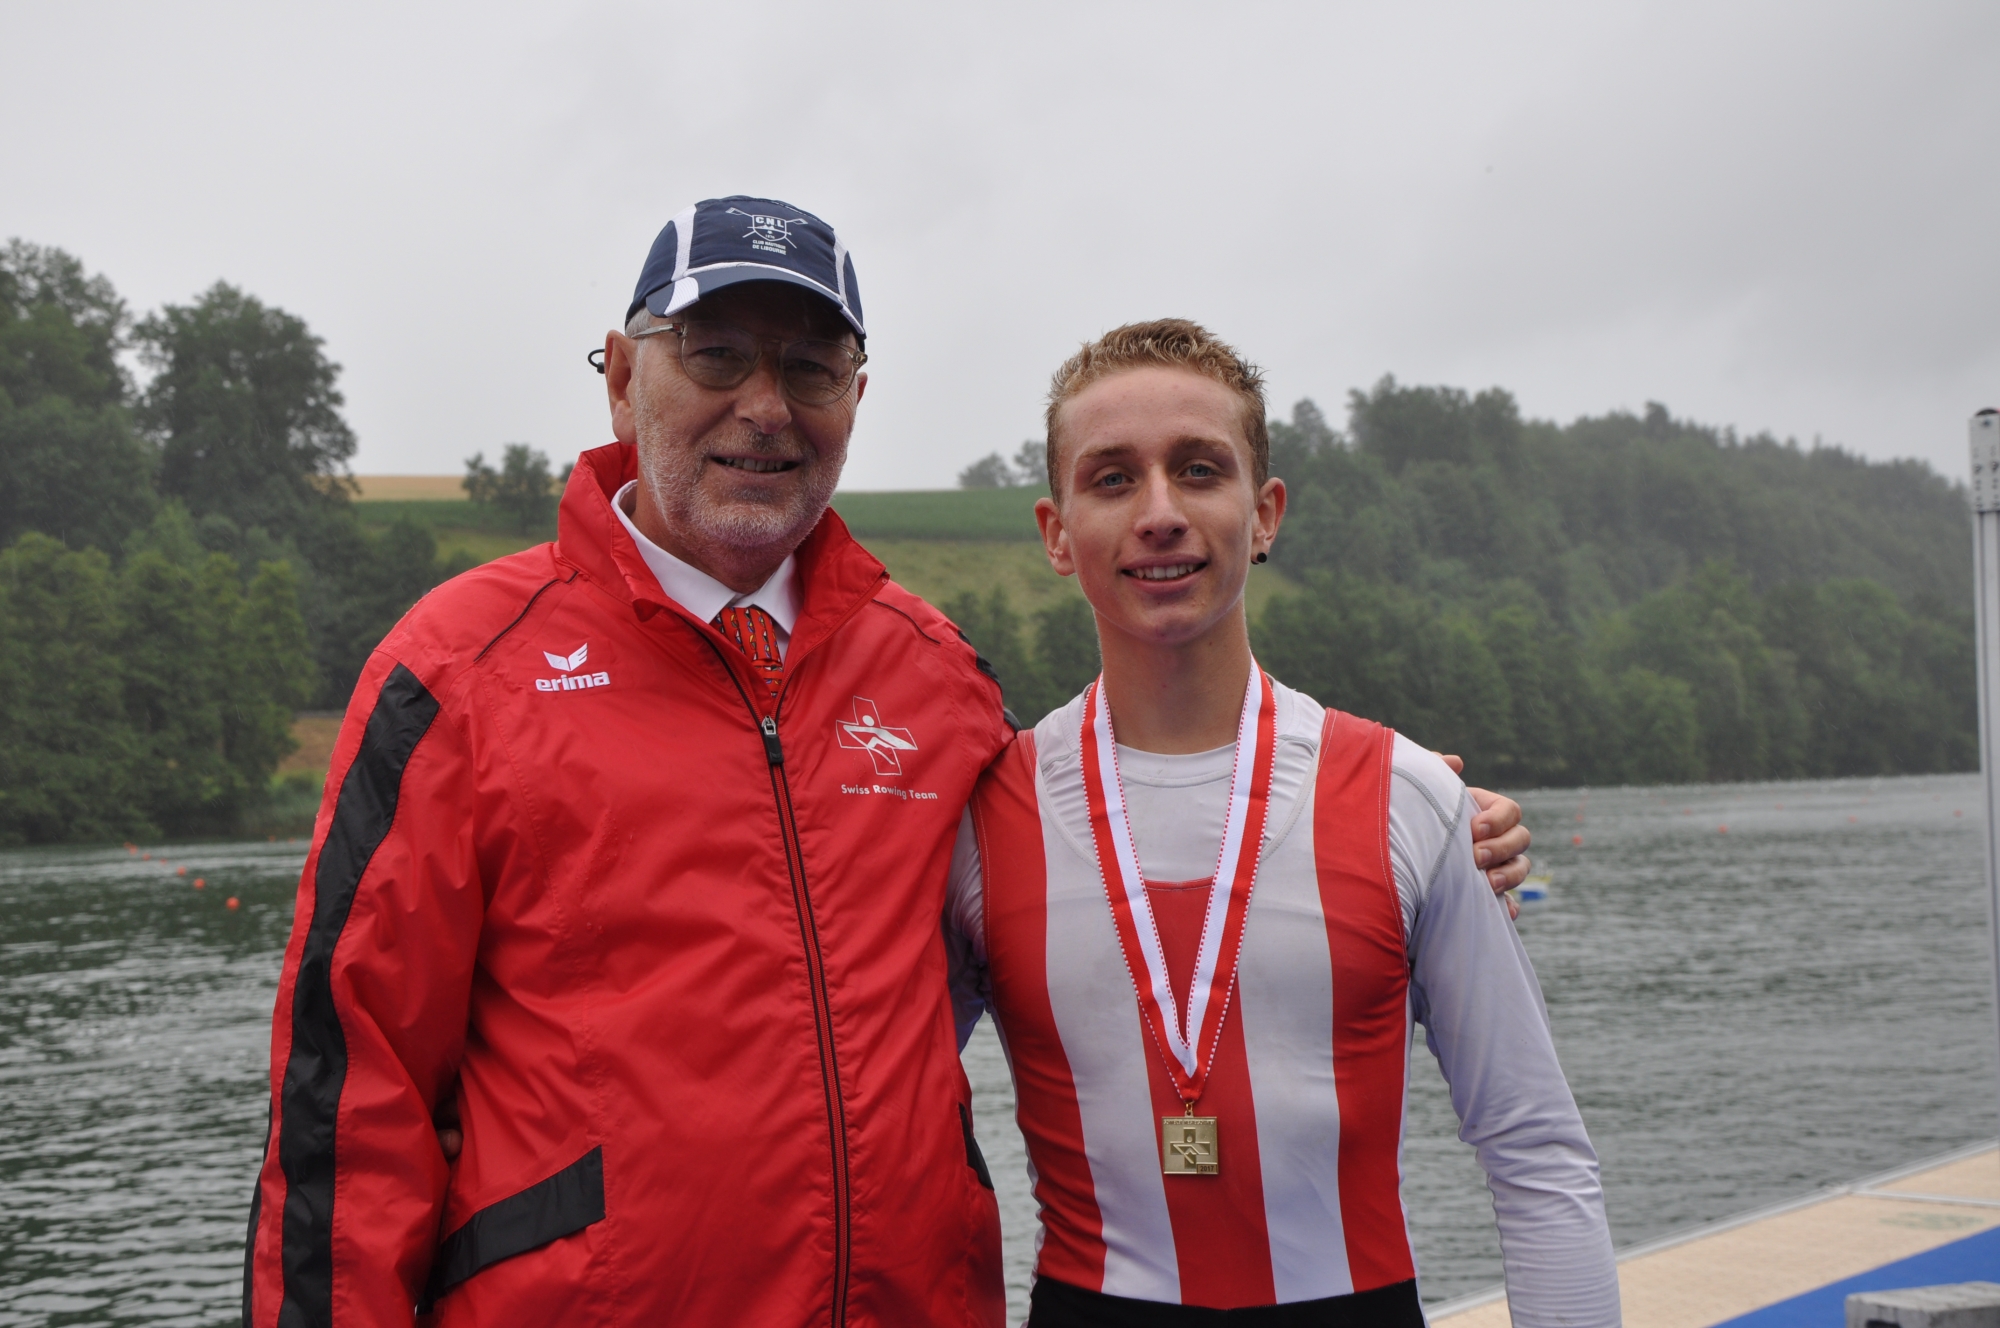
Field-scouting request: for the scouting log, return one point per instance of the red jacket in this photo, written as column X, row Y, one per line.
column 674, row 947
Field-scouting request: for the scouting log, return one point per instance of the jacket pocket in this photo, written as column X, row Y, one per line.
column 973, row 1157
column 562, row 1205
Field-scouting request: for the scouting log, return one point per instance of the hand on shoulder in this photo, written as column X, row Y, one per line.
column 1499, row 840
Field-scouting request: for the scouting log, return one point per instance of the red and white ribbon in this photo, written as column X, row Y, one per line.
column 1188, row 1046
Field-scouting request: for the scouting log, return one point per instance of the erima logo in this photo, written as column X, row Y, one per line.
column 773, row 234
column 571, row 681
column 866, row 732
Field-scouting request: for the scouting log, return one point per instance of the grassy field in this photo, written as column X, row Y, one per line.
column 464, row 531
column 940, row 514
column 315, row 735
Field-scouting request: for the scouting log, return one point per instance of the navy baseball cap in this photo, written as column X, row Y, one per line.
column 721, row 241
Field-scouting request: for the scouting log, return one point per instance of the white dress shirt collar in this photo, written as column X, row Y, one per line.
column 704, row 596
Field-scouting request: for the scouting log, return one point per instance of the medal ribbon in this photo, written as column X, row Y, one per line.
column 1187, row 1047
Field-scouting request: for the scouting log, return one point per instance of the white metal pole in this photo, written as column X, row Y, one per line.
column 1985, row 436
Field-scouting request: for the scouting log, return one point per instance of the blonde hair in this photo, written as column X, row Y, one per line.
column 1172, row 343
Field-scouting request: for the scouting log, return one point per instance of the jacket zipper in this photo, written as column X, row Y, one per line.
column 795, row 866
column 829, row 1065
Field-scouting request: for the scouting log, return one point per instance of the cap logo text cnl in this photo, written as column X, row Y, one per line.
column 772, row 233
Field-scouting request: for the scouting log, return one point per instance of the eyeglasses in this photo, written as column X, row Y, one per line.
column 815, row 373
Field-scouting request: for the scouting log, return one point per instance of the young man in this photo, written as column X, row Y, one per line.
column 1203, row 911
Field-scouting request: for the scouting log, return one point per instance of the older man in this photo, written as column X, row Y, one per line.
column 633, row 854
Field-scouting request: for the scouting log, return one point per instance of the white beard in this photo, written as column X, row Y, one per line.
column 723, row 532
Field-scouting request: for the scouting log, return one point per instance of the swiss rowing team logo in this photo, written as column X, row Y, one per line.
column 567, row 666
column 866, row 732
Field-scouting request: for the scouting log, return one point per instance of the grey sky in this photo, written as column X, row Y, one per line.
column 1777, row 217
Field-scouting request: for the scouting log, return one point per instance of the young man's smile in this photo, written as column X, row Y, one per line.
column 1179, row 572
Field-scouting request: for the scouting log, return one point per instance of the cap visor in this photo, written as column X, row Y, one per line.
column 711, row 280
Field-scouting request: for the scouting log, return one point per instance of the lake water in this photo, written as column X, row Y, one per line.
column 1744, row 1016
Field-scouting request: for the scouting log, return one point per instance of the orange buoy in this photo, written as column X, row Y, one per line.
column 230, row 902
column 180, row 871
column 199, row 883
column 1959, row 811
column 1687, row 811
column 1853, row 819
column 1721, row 829
column 132, row 849
column 145, row 857
column 1576, row 841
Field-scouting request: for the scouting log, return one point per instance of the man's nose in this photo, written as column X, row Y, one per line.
column 1160, row 516
column 760, row 399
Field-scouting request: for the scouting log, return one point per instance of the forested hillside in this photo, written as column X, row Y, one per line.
column 1624, row 598
column 1429, row 483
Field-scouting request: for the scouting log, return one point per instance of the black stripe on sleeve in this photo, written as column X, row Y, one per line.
column 256, row 1211
column 316, row 1069
column 985, row 666
column 562, row 1205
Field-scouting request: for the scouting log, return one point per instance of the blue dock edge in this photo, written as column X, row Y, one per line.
column 1973, row 1259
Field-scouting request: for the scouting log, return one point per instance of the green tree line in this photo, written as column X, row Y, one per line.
column 181, row 566
column 1625, row 599
column 154, row 695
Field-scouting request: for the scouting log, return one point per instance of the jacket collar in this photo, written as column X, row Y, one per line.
column 836, row 576
column 701, row 594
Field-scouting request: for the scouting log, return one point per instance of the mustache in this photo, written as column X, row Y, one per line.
column 783, row 446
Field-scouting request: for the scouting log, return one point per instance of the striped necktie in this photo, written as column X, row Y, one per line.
column 756, row 636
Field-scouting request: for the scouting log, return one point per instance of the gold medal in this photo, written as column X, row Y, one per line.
column 1187, row 1145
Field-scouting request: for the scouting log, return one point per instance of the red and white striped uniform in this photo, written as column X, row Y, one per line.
column 1367, row 912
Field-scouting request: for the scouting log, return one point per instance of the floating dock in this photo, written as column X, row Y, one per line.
column 1792, row 1265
